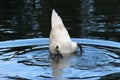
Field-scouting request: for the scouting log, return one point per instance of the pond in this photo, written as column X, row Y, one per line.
column 29, row 59
column 94, row 19
column 24, row 40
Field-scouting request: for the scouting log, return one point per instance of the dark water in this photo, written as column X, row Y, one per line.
column 29, row 59
column 83, row 18
column 22, row 58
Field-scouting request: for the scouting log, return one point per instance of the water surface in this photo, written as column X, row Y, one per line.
column 24, row 19
column 29, row 59
column 24, row 50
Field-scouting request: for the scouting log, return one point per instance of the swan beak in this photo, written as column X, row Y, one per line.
column 79, row 45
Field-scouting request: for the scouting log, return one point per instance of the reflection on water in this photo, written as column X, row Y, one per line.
column 82, row 18
column 60, row 65
column 32, row 62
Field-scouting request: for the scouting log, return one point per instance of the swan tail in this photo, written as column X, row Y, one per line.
column 56, row 20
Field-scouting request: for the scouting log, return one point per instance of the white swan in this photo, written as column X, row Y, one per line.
column 60, row 41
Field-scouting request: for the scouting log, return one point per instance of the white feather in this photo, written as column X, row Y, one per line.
column 55, row 19
column 60, row 36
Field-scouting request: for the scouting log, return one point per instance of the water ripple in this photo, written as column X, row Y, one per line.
column 21, row 60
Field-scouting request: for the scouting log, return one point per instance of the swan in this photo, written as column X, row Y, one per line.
column 60, row 41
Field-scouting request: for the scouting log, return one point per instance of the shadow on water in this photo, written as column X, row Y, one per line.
column 33, row 62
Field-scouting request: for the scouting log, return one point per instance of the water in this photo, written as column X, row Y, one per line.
column 94, row 19
column 24, row 48
column 29, row 59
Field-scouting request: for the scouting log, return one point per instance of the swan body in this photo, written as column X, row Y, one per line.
column 59, row 37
